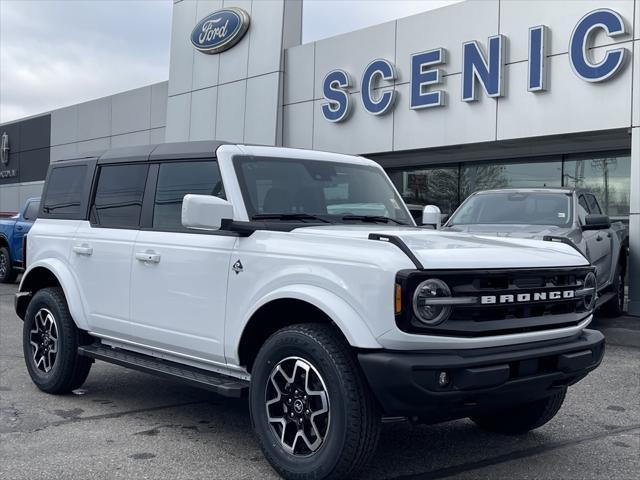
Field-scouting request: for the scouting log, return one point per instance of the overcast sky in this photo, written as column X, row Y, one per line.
column 55, row 53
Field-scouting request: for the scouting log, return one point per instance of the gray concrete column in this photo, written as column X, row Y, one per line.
column 634, row 225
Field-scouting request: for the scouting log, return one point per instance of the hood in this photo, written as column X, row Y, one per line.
column 511, row 231
column 437, row 249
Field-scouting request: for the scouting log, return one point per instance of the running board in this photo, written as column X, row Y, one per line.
column 216, row 382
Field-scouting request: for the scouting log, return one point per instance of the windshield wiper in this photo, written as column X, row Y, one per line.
column 288, row 216
column 372, row 219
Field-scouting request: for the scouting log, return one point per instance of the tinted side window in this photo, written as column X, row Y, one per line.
column 31, row 213
column 593, row 205
column 64, row 190
column 118, row 199
column 175, row 180
column 583, row 203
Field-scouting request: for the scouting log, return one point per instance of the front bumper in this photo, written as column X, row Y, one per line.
column 406, row 383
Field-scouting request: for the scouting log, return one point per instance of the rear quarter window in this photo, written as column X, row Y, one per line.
column 64, row 195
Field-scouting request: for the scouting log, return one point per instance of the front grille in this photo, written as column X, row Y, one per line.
column 510, row 285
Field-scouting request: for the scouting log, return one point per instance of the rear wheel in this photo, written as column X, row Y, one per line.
column 615, row 306
column 50, row 342
column 522, row 418
column 7, row 272
column 311, row 409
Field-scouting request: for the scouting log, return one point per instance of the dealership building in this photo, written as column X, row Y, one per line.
column 476, row 95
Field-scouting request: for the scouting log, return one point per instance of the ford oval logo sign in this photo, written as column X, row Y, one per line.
column 220, row 30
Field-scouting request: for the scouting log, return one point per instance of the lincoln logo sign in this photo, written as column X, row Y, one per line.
column 479, row 71
column 4, row 148
column 220, row 30
column 4, row 158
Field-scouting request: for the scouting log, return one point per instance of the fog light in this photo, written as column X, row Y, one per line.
column 443, row 379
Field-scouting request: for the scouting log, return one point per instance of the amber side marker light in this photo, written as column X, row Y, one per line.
column 398, row 299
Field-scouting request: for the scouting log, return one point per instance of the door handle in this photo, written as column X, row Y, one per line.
column 83, row 249
column 19, row 228
column 599, row 238
column 148, row 257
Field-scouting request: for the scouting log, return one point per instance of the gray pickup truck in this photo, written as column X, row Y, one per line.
column 565, row 215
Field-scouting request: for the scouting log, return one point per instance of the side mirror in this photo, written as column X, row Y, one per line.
column 205, row 212
column 596, row 222
column 431, row 216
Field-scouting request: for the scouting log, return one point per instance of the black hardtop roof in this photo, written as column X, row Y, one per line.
column 148, row 153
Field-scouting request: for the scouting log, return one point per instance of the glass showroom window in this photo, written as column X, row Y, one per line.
column 484, row 176
column 428, row 186
column 607, row 176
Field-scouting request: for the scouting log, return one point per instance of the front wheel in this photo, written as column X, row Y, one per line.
column 311, row 408
column 50, row 342
column 615, row 306
column 522, row 418
column 7, row 272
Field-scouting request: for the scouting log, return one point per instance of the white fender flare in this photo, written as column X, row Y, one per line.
column 69, row 286
column 346, row 318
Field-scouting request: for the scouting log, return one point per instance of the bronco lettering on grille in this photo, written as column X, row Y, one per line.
column 527, row 297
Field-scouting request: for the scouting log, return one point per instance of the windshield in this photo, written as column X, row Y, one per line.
column 311, row 190
column 515, row 208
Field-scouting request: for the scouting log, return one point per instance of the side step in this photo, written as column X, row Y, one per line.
column 216, row 382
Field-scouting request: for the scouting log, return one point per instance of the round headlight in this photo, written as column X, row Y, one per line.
column 428, row 303
column 590, row 283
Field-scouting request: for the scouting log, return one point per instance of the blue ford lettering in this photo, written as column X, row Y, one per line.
column 338, row 104
column 220, row 30
column 483, row 66
column 385, row 70
column 613, row 25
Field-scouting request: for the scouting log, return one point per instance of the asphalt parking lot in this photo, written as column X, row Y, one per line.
column 125, row 424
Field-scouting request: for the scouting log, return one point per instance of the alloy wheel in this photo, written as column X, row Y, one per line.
column 297, row 404
column 621, row 291
column 44, row 340
column 4, row 265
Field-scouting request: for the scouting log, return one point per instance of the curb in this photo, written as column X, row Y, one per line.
column 621, row 337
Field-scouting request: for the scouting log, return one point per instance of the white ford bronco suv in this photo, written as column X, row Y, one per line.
column 298, row 278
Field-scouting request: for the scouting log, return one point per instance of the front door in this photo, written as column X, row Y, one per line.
column 179, row 276
column 599, row 242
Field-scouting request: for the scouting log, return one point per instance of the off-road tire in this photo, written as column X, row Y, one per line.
column 69, row 370
column 354, row 422
column 615, row 306
column 522, row 418
column 8, row 274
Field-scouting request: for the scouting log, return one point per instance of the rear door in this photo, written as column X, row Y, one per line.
column 179, row 276
column 102, row 249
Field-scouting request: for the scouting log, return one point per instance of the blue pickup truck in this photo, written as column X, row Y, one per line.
column 12, row 233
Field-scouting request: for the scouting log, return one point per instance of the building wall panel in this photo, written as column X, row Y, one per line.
column 298, row 125
column 560, row 17
column 94, row 119
column 299, row 73
column 571, row 105
column 203, row 114
column 445, row 28
column 131, row 111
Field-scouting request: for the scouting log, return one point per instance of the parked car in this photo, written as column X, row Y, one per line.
column 12, row 233
column 573, row 216
column 253, row 271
